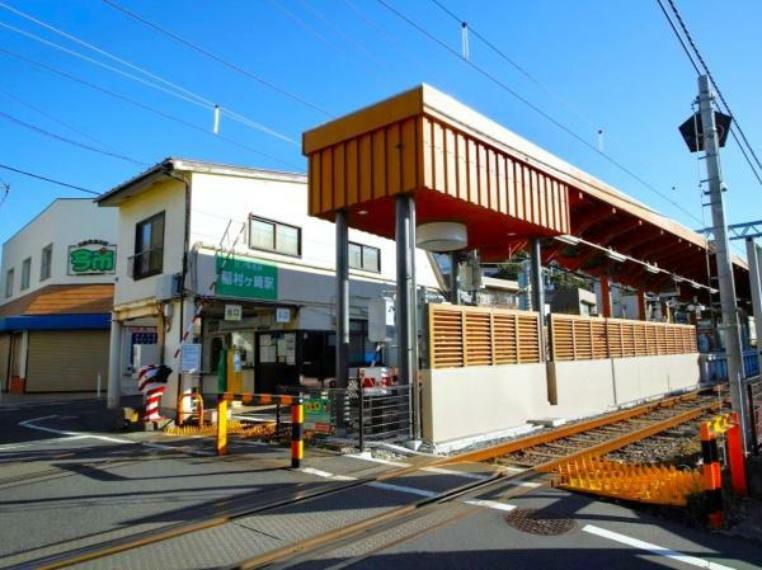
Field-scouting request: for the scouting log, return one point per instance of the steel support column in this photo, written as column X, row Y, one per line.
column 455, row 278
column 642, row 309
column 725, row 277
column 605, row 296
column 538, row 291
column 113, row 393
column 342, row 299
column 754, row 258
column 406, row 303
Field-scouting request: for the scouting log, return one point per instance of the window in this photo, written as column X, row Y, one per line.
column 46, row 262
column 9, row 283
column 364, row 257
column 26, row 271
column 149, row 247
column 274, row 236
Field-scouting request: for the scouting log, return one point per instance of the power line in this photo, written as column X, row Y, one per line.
column 216, row 57
column 513, row 63
column 67, row 140
column 706, row 69
column 537, row 110
column 141, row 105
column 166, row 86
column 51, row 180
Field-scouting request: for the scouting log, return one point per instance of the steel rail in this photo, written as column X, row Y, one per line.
column 118, row 545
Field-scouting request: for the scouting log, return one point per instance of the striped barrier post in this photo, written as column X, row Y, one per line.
column 712, row 475
column 736, row 459
column 152, row 381
column 222, row 425
column 297, row 433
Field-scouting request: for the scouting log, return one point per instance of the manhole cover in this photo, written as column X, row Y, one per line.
column 541, row 522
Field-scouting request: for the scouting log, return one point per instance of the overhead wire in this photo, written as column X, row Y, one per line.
column 143, row 106
column 163, row 85
column 216, row 57
column 513, row 63
column 537, row 110
column 743, row 145
column 68, row 140
column 51, row 180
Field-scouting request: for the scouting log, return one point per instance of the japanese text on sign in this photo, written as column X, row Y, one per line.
column 247, row 279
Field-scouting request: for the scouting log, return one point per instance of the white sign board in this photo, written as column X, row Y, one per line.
column 190, row 358
column 233, row 312
column 282, row 315
column 381, row 319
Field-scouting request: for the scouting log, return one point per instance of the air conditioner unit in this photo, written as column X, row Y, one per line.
column 169, row 287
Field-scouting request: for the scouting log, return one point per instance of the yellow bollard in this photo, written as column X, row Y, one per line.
column 222, row 426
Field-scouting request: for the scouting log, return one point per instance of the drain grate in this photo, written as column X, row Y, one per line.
column 534, row 521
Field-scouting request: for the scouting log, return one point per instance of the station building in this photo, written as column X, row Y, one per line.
column 236, row 248
column 57, row 291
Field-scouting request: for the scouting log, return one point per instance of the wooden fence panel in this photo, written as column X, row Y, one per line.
column 586, row 338
column 478, row 336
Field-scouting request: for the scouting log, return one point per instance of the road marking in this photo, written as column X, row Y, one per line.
column 402, row 489
column 369, row 457
column 490, row 504
column 32, row 424
column 654, row 548
column 466, row 474
column 527, row 484
column 326, row 474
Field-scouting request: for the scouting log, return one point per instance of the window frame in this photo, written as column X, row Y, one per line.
column 363, row 247
column 275, row 224
column 49, row 249
column 26, row 274
column 10, row 277
column 149, row 220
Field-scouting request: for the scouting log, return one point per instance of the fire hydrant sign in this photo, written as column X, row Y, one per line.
column 317, row 414
column 245, row 279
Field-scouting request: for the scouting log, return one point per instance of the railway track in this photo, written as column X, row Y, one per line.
column 519, row 459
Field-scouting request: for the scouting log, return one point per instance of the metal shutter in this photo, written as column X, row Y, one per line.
column 66, row 361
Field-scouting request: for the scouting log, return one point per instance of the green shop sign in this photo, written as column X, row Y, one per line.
column 317, row 414
column 92, row 257
column 237, row 277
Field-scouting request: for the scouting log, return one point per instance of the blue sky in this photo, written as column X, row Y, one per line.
column 613, row 65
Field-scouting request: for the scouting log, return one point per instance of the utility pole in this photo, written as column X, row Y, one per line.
column 725, row 278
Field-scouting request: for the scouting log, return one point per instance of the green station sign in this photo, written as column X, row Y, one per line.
column 93, row 257
column 246, row 279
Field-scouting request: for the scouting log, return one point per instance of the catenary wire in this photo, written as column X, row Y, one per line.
column 165, row 86
column 514, row 64
column 140, row 105
column 216, row 57
column 537, row 110
column 51, row 180
column 67, row 140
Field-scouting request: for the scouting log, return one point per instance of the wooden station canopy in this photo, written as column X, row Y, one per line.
column 462, row 167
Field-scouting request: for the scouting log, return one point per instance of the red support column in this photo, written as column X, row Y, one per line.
column 605, row 297
column 642, row 305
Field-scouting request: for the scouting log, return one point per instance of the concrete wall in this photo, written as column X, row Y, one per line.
column 461, row 402
column 474, row 401
column 67, row 221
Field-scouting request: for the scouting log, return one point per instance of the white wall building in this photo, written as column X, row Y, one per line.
column 198, row 236
column 56, row 292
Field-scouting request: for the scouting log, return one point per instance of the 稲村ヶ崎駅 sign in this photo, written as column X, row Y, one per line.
column 244, row 278
column 92, row 257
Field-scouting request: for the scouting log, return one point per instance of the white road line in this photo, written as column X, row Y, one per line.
column 490, row 504
column 326, row 474
column 369, row 457
column 527, row 484
column 654, row 548
column 465, row 474
column 402, row 489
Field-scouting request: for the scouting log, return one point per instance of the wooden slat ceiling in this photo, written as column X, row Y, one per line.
column 464, row 167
